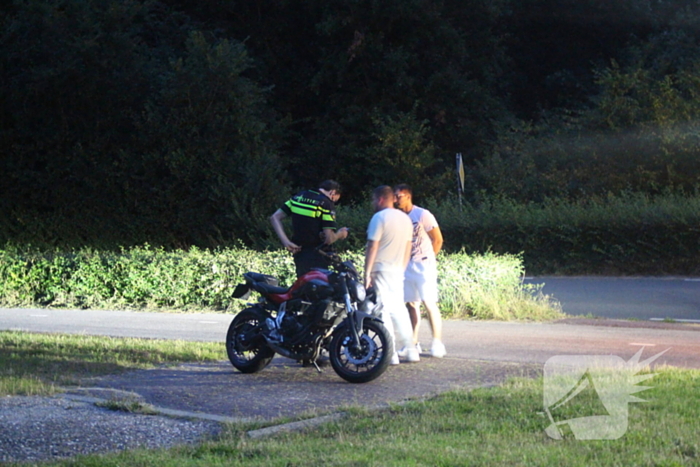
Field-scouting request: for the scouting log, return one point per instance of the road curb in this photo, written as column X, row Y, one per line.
column 296, row 426
column 260, row 433
column 162, row 410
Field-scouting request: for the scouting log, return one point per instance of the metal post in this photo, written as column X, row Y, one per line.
column 460, row 179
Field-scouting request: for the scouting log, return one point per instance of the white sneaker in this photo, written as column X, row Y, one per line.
column 437, row 349
column 394, row 359
column 403, row 352
column 412, row 355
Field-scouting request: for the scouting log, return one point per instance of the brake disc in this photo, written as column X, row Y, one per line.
column 362, row 354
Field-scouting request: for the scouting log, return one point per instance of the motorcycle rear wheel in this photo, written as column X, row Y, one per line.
column 366, row 362
column 245, row 345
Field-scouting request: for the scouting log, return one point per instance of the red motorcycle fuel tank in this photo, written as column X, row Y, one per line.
column 309, row 276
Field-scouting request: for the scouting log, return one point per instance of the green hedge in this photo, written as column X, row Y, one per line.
column 485, row 286
column 630, row 234
column 634, row 234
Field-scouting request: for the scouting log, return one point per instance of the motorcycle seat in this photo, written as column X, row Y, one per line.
column 267, row 289
column 257, row 277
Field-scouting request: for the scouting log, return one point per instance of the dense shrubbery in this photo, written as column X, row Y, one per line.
column 629, row 234
column 486, row 286
column 180, row 123
column 122, row 123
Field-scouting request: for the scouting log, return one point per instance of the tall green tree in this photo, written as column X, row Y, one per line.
column 74, row 73
column 118, row 128
column 639, row 131
column 337, row 66
column 209, row 141
column 438, row 61
column 653, row 99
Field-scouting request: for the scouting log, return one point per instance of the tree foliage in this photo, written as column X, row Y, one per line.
column 124, row 124
column 181, row 122
column 634, row 129
column 208, row 141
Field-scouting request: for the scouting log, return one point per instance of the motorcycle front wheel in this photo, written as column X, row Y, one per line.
column 245, row 345
column 363, row 363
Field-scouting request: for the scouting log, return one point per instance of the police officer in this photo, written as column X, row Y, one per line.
column 313, row 223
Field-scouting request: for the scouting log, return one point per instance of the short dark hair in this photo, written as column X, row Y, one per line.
column 330, row 185
column 404, row 187
column 383, row 191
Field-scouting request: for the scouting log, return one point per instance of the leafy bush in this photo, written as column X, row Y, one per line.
column 629, row 234
column 490, row 286
column 483, row 286
column 633, row 233
column 155, row 132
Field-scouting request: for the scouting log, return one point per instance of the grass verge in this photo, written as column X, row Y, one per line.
column 37, row 364
column 491, row 426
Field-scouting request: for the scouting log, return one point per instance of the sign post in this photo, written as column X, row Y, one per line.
column 460, row 178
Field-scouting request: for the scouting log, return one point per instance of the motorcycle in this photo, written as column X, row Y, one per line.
column 324, row 310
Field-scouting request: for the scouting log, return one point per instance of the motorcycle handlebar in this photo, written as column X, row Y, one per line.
column 327, row 251
column 337, row 261
column 332, row 255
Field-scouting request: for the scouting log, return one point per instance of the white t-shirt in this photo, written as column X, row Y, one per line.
column 392, row 229
column 421, row 246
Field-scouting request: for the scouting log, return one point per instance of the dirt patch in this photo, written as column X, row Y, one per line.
column 286, row 389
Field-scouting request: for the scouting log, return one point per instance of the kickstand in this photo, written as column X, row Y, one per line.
column 317, row 367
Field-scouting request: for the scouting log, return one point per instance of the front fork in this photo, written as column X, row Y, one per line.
column 355, row 316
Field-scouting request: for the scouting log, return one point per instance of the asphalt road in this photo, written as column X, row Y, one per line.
column 645, row 298
column 473, row 340
column 640, row 298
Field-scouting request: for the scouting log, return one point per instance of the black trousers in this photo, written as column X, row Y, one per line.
column 309, row 258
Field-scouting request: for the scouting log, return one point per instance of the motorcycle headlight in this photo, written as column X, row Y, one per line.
column 357, row 291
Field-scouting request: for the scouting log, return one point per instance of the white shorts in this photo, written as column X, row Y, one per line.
column 420, row 282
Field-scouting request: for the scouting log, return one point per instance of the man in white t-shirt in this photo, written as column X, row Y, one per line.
column 388, row 249
column 420, row 284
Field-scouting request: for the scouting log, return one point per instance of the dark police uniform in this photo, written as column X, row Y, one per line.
column 311, row 213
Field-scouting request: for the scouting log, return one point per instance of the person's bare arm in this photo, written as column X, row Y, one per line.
column 276, row 221
column 370, row 257
column 329, row 236
column 436, row 239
